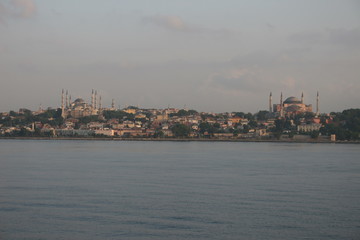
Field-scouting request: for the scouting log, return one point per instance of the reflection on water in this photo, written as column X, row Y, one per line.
column 178, row 190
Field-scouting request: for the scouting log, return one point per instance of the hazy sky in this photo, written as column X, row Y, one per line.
column 209, row 55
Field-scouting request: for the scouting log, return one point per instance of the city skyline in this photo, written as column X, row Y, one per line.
column 207, row 55
column 95, row 101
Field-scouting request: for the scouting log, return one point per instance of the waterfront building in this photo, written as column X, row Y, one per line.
column 74, row 132
column 105, row 132
column 309, row 127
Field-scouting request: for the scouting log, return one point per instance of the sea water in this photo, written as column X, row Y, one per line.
column 178, row 190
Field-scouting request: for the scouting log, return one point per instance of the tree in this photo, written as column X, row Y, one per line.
column 206, row 127
column 249, row 116
column 192, row 112
column 88, row 119
column 246, row 128
column 180, row 130
column 352, row 119
column 158, row 134
column 277, row 135
column 24, row 133
column 183, row 112
column 309, row 115
column 345, row 125
column 13, row 114
column 114, row 114
column 58, row 113
column 239, row 114
column 235, row 132
column 314, row 134
column 262, row 115
column 279, row 128
column 291, row 134
column 253, row 124
column 279, row 125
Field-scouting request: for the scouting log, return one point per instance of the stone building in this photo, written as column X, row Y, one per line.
column 292, row 106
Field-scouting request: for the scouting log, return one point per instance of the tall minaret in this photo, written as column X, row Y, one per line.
column 66, row 99
column 62, row 99
column 112, row 104
column 100, row 102
column 69, row 100
column 317, row 104
column 92, row 99
column 281, row 106
column 62, row 104
column 302, row 97
column 95, row 96
column 270, row 102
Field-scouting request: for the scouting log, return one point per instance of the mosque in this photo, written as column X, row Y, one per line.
column 292, row 106
column 79, row 108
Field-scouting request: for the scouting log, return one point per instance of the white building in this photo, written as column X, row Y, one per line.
column 309, row 127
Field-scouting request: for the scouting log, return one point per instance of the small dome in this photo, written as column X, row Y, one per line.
column 292, row 100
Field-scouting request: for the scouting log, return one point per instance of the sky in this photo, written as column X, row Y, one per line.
column 207, row 55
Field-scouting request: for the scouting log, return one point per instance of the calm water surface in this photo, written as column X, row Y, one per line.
column 178, row 190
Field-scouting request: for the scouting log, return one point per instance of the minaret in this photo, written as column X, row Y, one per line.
column 95, row 96
column 62, row 99
column 92, row 99
column 317, row 104
column 302, row 98
column 66, row 99
column 281, row 106
column 69, row 101
column 62, row 104
column 112, row 104
column 100, row 102
column 270, row 102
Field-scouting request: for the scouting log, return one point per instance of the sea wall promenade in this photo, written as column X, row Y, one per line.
column 281, row 140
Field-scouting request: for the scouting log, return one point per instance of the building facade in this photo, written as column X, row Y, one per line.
column 291, row 106
column 79, row 108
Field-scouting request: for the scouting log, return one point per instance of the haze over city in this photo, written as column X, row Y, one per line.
column 208, row 55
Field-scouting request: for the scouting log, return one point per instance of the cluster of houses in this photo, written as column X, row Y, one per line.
column 144, row 123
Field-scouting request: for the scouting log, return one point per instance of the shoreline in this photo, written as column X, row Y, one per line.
column 176, row 140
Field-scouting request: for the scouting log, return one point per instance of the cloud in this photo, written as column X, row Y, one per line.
column 176, row 23
column 270, row 26
column 257, row 73
column 289, row 83
column 307, row 37
column 349, row 37
column 56, row 12
column 338, row 36
column 168, row 22
column 235, row 80
column 24, row 8
column 268, row 59
column 17, row 9
column 247, row 86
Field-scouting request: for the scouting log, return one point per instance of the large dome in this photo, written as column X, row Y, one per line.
column 79, row 100
column 292, row 100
